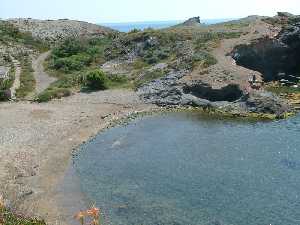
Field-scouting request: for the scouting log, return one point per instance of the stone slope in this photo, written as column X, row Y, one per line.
column 55, row 30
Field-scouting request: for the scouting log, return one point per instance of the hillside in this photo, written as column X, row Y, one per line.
column 55, row 30
column 189, row 64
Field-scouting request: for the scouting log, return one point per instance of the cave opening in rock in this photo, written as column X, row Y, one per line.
column 228, row 93
column 276, row 59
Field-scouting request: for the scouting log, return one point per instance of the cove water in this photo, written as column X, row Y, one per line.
column 186, row 169
column 126, row 27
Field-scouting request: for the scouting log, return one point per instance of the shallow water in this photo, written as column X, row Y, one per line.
column 186, row 169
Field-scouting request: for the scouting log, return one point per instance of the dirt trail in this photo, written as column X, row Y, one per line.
column 43, row 80
column 226, row 71
column 16, row 83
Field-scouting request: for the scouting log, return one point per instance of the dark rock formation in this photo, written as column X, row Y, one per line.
column 266, row 102
column 195, row 21
column 276, row 58
column 168, row 91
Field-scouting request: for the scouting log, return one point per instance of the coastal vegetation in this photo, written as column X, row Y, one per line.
column 6, row 84
column 73, row 63
column 11, row 34
column 136, row 52
column 7, row 217
column 96, row 80
column 27, row 80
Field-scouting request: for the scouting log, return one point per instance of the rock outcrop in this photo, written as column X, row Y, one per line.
column 169, row 91
column 285, row 14
column 275, row 57
column 56, row 30
column 195, row 21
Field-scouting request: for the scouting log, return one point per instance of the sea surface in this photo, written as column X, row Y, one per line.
column 187, row 169
column 126, row 27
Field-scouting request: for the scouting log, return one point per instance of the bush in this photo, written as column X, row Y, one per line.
column 71, row 63
column 96, row 80
column 68, row 48
column 50, row 94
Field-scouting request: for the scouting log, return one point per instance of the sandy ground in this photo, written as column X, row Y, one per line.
column 36, row 141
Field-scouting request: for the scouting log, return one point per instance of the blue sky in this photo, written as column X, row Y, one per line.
column 142, row 10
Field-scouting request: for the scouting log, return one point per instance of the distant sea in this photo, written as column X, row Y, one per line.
column 126, row 27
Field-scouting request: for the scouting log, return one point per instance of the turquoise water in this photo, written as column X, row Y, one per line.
column 126, row 27
column 185, row 169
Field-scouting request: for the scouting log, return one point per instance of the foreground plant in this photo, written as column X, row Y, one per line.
column 93, row 213
column 1, row 202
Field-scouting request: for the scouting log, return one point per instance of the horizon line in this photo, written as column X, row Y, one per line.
column 122, row 22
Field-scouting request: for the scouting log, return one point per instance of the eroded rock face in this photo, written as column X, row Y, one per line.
column 276, row 58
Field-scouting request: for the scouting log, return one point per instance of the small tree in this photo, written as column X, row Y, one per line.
column 96, row 80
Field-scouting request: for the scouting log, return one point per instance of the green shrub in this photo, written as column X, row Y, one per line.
column 71, row 63
column 9, row 218
column 69, row 47
column 96, row 80
column 50, row 94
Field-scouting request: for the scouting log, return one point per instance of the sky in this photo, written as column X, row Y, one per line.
column 104, row 11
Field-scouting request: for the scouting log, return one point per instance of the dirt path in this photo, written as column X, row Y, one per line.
column 226, row 71
column 43, row 80
column 16, row 83
column 36, row 141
